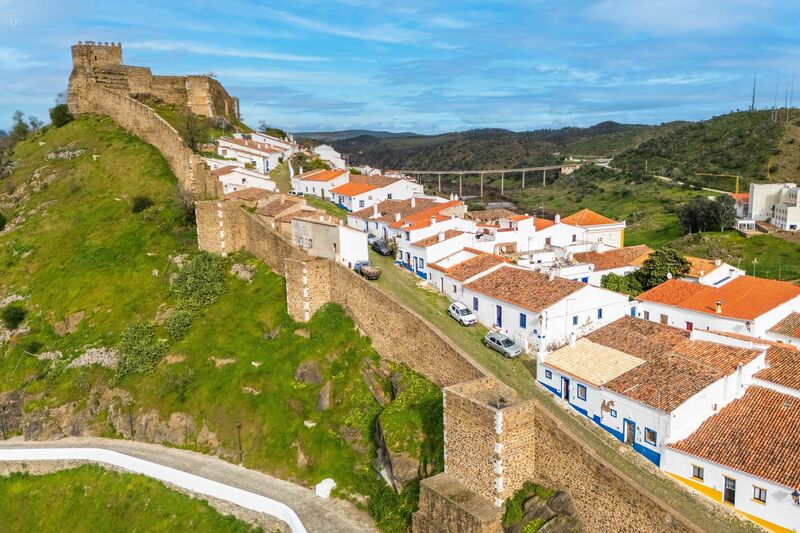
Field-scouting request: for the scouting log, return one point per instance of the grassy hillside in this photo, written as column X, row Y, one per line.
column 91, row 498
column 736, row 143
column 612, row 144
column 90, row 272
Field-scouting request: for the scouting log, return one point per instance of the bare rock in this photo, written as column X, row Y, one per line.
column 302, row 458
column 48, row 356
column 303, row 333
column 207, row 439
column 171, row 359
column 106, row 357
column 399, row 383
column 308, row 372
column 562, row 524
column 64, row 154
column 11, row 410
column 405, row 469
column 243, row 272
column 273, row 333
column 324, row 397
column 163, row 313
column 353, row 437
column 218, row 361
column 561, row 503
column 251, row 390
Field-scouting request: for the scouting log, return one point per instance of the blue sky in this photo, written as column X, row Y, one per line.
column 425, row 66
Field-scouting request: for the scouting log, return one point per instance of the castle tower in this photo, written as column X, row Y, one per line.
column 87, row 58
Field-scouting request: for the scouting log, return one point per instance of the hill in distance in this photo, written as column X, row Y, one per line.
column 329, row 136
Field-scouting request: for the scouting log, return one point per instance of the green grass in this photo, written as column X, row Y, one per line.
column 91, row 498
column 515, row 505
column 280, row 175
column 328, row 207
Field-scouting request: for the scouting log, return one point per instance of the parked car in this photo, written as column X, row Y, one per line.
column 296, row 193
column 366, row 269
column 381, row 247
column 504, row 344
column 371, row 237
column 462, row 314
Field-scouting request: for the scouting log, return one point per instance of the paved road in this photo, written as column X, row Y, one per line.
column 210, row 475
column 665, row 178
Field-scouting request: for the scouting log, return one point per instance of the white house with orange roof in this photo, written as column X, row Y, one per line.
column 599, row 229
column 365, row 191
column 376, row 219
column 449, row 274
column 287, row 146
column 744, row 304
column 319, row 182
column 328, row 154
column 260, row 156
column 238, row 178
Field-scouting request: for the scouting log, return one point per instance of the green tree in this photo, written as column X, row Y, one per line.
column 661, row 265
column 60, row 115
column 196, row 128
column 627, row 284
column 354, row 171
column 19, row 128
column 13, row 315
column 725, row 211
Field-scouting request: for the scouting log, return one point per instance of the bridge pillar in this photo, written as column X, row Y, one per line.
column 460, row 191
column 481, row 186
column 439, row 188
column 523, row 179
column 502, row 183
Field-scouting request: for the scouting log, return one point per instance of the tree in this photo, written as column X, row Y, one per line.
column 196, row 130
column 60, row 115
column 354, row 171
column 627, row 284
column 19, row 129
column 661, row 265
column 3, row 221
column 702, row 214
column 725, row 207
column 13, row 315
column 263, row 127
column 34, row 123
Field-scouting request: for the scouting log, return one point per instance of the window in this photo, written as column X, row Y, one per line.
column 408, row 235
column 455, row 289
column 599, row 314
column 361, row 203
column 664, row 319
column 647, row 315
column 575, row 320
column 650, row 436
column 389, row 196
column 574, row 238
column 523, row 320
column 244, row 180
column 421, row 263
column 585, row 280
column 759, row 494
column 548, row 374
column 689, row 326
column 698, row 472
column 547, row 241
column 581, row 392
column 613, row 413
column 474, row 303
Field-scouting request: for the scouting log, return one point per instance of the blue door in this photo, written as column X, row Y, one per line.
column 499, row 319
column 633, row 312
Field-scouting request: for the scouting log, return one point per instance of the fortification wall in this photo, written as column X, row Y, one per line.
column 193, row 175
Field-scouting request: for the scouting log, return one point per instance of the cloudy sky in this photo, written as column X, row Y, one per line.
column 425, row 66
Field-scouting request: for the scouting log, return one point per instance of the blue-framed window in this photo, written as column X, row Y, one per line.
column 650, row 436
column 581, row 392
column 361, row 203
column 575, row 320
column 585, row 280
column 600, row 314
column 613, row 413
column 408, row 235
column 474, row 303
column 420, row 263
column 548, row 374
column 523, row 320
column 633, row 312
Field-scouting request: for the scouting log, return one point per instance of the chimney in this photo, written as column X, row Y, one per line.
column 441, row 236
column 374, row 210
column 669, row 275
column 558, row 218
column 397, row 217
column 433, row 220
column 572, row 339
column 551, row 276
column 413, row 202
column 719, row 307
column 717, row 262
column 702, row 272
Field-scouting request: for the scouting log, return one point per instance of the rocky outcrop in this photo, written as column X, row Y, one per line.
column 557, row 513
column 396, row 467
column 308, row 372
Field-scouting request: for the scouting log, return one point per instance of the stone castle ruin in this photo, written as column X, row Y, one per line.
column 100, row 83
column 101, row 64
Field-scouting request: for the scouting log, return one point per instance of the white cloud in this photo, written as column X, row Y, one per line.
column 13, row 59
column 192, row 48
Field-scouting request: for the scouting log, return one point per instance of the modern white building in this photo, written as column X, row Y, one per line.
column 744, row 304
column 324, row 236
column 330, row 156
column 777, row 203
column 543, row 312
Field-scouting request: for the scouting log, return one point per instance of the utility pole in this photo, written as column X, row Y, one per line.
column 753, row 101
column 239, row 441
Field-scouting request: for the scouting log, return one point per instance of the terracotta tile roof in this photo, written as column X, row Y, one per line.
column 472, row 266
column 250, row 193
column 618, row 258
column 743, row 298
column 353, row 189
column 301, row 213
column 642, row 338
column 387, row 209
column 757, row 434
column 587, row 217
column 789, row 326
column 277, row 207
column 422, row 218
column 517, row 218
column 488, row 215
column 592, row 362
column 542, row 223
column 261, row 147
column 698, row 266
column 526, row 288
column 433, row 239
column 221, row 171
column 783, row 367
column 721, row 357
column 742, row 196
column 323, row 175
column 750, row 338
column 376, row 180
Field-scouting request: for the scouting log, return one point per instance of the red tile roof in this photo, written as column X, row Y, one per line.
column 743, row 298
column 742, row 197
column 783, row 367
column 422, row 218
column 472, row 266
column 618, row 258
column 261, row 147
column 221, row 171
column 757, row 434
column 488, row 215
column 526, row 288
column 789, row 326
column 353, row 189
column 322, row 175
column 542, row 223
column 388, row 208
column 250, row 193
column 587, row 217
column 433, row 239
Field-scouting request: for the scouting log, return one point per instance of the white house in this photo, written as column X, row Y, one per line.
column 319, row 182
column 376, row 219
column 543, row 312
column 238, row 178
column 324, row 236
column 287, row 146
column 599, row 229
column 744, row 304
column 330, row 156
column 618, row 261
column 647, row 384
column 786, row 331
column 449, row 274
column 260, row 156
column 361, row 192
column 778, row 203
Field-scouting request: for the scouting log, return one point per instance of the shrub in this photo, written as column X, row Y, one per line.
column 13, row 315
column 177, row 382
column 149, row 213
column 201, row 282
column 3, row 221
column 515, row 506
column 60, row 115
column 32, row 346
column 179, row 323
column 140, row 203
column 140, row 351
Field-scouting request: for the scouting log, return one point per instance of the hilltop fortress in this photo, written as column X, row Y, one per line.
column 100, row 83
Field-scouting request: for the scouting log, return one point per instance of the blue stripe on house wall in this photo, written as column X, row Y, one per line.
column 422, row 274
column 651, row 455
column 582, row 411
column 551, row 389
column 617, row 434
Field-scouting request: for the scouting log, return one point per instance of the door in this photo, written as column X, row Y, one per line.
column 564, row 388
column 630, row 432
column 730, row 491
column 499, row 318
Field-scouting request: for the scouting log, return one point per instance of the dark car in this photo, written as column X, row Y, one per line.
column 381, row 247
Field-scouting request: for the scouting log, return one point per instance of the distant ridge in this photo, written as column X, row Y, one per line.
column 349, row 134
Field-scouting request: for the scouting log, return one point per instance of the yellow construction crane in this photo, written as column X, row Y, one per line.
column 738, row 177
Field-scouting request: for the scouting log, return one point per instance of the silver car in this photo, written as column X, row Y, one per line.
column 504, row 344
column 462, row 314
